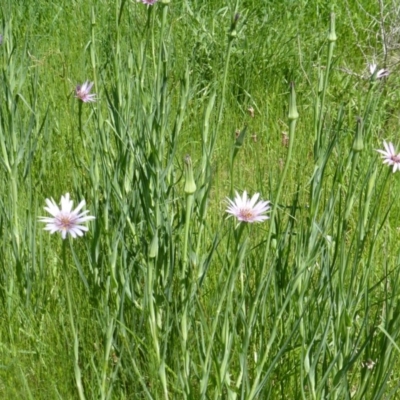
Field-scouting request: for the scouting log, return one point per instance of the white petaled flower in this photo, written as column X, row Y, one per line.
column 64, row 219
column 82, row 92
column 379, row 74
column 248, row 210
column 389, row 156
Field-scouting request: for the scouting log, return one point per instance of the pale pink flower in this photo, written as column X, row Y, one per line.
column 82, row 92
column 378, row 74
column 389, row 156
column 248, row 210
column 148, row 2
column 66, row 220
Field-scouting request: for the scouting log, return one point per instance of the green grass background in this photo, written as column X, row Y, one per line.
column 296, row 307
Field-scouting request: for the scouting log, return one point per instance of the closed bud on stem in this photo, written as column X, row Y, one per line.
column 153, row 251
column 93, row 17
column 232, row 31
column 332, row 33
column 358, row 143
column 190, row 185
column 293, row 114
column 321, row 81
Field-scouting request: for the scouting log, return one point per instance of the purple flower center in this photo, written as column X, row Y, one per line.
column 396, row 158
column 246, row 214
column 66, row 222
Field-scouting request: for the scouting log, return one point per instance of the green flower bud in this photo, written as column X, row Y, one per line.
column 153, row 251
column 190, row 185
column 293, row 114
column 358, row 143
column 332, row 33
column 232, row 31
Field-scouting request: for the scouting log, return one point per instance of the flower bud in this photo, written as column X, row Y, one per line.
column 232, row 31
column 332, row 33
column 153, row 251
column 358, row 143
column 190, row 185
column 293, row 114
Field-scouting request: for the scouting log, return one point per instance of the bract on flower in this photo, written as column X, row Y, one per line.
column 66, row 220
column 82, row 92
column 389, row 156
column 377, row 74
column 248, row 210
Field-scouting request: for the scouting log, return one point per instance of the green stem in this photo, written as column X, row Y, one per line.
column 77, row 370
column 292, row 131
column 331, row 40
column 189, row 206
column 232, row 36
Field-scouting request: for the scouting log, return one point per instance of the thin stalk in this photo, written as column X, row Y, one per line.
column 150, row 304
column 232, row 35
column 190, row 189
column 331, row 39
column 109, row 341
column 189, row 207
column 77, row 370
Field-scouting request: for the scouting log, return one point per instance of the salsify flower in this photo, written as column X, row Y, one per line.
column 66, row 220
column 389, row 156
column 82, row 92
column 148, row 2
column 379, row 74
column 248, row 210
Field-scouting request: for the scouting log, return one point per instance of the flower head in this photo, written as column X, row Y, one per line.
column 66, row 220
column 389, row 156
column 377, row 74
column 148, row 2
column 82, row 92
column 248, row 210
